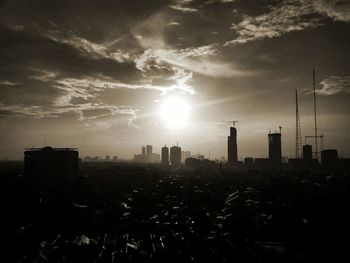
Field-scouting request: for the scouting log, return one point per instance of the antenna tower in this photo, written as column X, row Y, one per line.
column 315, row 113
column 298, row 140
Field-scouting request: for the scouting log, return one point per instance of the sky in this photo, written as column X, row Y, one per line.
column 96, row 74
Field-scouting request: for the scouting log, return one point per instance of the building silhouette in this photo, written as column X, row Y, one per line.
column 307, row 152
column 51, row 167
column 175, row 155
column 148, row 149
column 147, row 156
column 232, row 146
column 329, row 158
column 165, row 155
column 248, row 161
column 275, row 148
column 185, row 155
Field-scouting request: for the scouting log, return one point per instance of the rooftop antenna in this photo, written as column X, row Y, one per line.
column 280, row 127
column 298, row 138
column 315, row 112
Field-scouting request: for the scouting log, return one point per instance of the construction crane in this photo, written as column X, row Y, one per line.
column 316, row 136
column 233, row 122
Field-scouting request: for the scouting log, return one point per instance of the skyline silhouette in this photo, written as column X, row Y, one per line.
column 174, row 131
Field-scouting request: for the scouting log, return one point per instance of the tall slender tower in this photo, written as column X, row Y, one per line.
column 298, row 139
column 232, row 146
column 315, row 113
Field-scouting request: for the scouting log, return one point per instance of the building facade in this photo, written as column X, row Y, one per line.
column 165, row 155
column 175, row 155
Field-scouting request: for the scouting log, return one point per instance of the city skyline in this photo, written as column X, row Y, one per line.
column 107, row 77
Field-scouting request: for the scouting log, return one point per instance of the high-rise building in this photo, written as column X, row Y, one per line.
column 307, row 152
column 51, row 167
column 275, row 148
column 147, row 156
column 175, row 155
column 232, row 146
column 148, row 149
column 165, row 155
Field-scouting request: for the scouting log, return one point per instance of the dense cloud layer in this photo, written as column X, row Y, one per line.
column 103, row 67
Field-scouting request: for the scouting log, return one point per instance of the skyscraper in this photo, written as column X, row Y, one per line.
column 51, row 167
column 175, row 155
column 148, row 149
column 232, row 146
column 165, row 155
column 307, row 152
column 275, row 148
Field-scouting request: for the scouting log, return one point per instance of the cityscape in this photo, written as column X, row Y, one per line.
column 174, row 131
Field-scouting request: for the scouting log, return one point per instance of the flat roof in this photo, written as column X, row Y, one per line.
column 50, row 148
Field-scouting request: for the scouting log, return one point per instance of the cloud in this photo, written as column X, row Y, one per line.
column 183, row 6
column 335, row 85
column 202, row 51
column 87, row 47
column 174, row 23
column 219, row 1
column 87, row 87
column 89, row 112
column 195, row 59
column 7, row 83
column 289, row 16
column 336, row 9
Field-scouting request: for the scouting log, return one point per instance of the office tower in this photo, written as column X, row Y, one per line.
column 307, row 152
column 148, row 149
column 175, row 155
column 275, row 148
column 51, row 167
column 143, row 150
column 165, row 155
column 232, row 146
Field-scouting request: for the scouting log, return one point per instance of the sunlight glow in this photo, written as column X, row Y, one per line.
column 174, row 112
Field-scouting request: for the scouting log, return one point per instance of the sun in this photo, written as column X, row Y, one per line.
column 174, row 112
